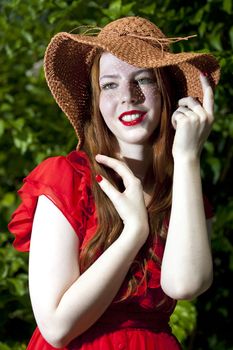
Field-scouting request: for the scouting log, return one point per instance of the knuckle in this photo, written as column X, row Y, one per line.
column 195, row 117
column 203, row 118
column 211, row 119
column 176, row 112
column 117, row 168
column 136, row 182
column 181, row 109
column 197, row 121
column 183, row 119
column 177, row 116
column 182, row 100
column 120, row 165
column 198, row 109
column 194, row 101
column 107, row 187
column 117, row 197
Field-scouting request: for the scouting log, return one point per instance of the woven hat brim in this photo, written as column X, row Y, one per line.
column 67, row 72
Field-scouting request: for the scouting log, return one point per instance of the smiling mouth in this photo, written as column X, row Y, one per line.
column 132, row 119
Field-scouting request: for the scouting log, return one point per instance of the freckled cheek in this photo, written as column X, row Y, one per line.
column 150, row 92
column 106, row 103
column 152, row 97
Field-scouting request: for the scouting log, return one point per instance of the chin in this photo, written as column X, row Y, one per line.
column 142, row 140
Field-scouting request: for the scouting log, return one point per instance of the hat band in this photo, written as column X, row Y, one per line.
column 161, row 41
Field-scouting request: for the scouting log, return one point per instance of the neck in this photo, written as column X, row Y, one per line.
column 137, row 157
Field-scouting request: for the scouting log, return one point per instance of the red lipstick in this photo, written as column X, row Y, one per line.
column 137, row 120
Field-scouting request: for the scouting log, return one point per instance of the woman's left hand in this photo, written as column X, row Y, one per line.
column 192, row 122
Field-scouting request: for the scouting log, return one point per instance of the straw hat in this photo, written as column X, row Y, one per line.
column 135, row 40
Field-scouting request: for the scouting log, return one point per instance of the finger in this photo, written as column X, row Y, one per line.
column 194, row 105
column 176, row 118
column 188, row 112
column 109, row 189
column 208, row 96
column 189, row 102
column 118, row 166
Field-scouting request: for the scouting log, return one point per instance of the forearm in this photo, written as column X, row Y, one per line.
column 187, row 261
column 90, row 295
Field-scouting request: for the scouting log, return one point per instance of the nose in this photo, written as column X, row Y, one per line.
column 131, row 93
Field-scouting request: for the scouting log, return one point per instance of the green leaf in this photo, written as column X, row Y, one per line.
column 209, row 147
column 227, row 6
column 114, row 9
column 198, row 16
column 231, row 36
column 27, row 36
column 4, row 347
column 3, row 272
column 9, row 51
column 16, row 286
column 183, row 320
column 202, row 28
column 125, row 10
column 18, row 124
column 8, row 200
column 61, row 4
column 215, row 41
column 149, row 10
column 5, row 107
column 215, row 164
column 15, row 346
column 2, row 127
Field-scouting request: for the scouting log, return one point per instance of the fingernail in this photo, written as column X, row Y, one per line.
column 205, row 74
column 98, row 178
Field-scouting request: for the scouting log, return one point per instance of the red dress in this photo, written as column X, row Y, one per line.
column 137, row 323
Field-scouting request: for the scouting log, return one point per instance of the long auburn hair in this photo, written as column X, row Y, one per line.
column 99, row 139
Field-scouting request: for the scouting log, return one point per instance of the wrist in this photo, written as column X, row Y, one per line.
column 134, row 235
column 189, row 158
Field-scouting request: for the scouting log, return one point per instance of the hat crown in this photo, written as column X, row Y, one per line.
column 132, row 26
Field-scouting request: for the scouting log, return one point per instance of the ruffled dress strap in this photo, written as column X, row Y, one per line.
column 65, row 180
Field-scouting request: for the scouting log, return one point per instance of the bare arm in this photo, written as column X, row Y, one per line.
column 66, row 303
column 187, row 264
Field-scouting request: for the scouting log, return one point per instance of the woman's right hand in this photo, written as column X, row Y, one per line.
column 129, row 204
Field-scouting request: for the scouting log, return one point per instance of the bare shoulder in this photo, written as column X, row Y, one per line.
column 50, row 226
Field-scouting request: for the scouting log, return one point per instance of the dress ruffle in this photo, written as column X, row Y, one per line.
column 65, row 181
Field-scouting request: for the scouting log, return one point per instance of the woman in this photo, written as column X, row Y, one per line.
column 117, row 229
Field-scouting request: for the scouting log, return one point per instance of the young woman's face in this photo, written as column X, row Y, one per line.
column 130, row 101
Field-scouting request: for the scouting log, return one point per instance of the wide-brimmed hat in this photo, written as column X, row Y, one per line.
column 135, row 40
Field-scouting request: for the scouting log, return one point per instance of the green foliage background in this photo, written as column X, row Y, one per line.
column 33, row 128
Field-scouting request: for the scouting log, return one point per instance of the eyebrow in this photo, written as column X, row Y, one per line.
column 117, row 76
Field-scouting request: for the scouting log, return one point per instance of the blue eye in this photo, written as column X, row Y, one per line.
column 145, row 81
